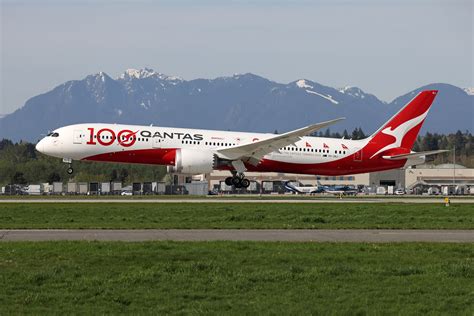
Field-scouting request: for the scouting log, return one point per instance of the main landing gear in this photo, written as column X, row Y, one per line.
column 237, row 180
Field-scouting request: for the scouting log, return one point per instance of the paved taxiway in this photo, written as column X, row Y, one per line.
column 294, row 235
column 243, row 200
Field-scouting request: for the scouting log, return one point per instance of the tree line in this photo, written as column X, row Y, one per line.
column 20, row 163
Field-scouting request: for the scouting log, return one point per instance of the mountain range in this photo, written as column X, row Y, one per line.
column 242, row 102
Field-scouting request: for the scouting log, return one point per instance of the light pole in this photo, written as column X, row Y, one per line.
column 454, row 170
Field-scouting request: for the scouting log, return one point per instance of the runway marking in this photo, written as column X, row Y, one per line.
column 226, row 200
column 292, row 235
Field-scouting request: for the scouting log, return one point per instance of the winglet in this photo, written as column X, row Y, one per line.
column 315, row 127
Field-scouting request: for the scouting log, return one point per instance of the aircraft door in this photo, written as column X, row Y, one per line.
column 358, row 155
column 77, row 137
column 156, row 142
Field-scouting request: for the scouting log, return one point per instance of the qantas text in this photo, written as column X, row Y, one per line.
column 127, row 138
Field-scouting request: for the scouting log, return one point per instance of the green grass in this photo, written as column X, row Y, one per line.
column 236, row 278
column 236, row 215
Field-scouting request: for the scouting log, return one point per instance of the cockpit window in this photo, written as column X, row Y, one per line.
column 54, row 134
column 50, row 133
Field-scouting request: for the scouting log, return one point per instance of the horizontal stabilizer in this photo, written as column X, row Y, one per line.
column 415, row 155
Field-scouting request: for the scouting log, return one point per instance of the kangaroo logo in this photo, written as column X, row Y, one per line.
column 400, row 131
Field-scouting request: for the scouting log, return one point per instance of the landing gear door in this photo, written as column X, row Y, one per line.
column 358, row 155
column 156, row 142
column 78, row 136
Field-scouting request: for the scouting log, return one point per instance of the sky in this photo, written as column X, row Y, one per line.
column 386, row 48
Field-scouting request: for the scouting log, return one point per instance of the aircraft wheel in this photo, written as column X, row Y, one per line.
column 228, row 181
column 245, row 183
column 70, row 170
column 237, row 182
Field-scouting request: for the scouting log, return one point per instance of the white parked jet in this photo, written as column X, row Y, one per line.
column 193, row 151
column 296, row 188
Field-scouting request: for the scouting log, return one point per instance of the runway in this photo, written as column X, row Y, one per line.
column 364, row 200
column 291, row 235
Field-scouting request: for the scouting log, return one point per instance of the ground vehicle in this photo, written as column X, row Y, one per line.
column 399, row 191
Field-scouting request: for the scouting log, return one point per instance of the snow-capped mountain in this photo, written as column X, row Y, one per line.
column 244, row 102
column 469, row 91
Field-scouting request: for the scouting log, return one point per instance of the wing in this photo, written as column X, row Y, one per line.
column 411, row 155
column 253, row 152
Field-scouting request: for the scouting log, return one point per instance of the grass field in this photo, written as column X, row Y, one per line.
column 236, row 278
column 229, row 215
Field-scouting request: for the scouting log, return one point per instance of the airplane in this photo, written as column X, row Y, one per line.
column 330, row 189
column 290, row 186
column 338, row 189
column 193, row 151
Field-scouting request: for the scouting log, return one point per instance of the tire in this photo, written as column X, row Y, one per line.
column 228, row 181
column 245, row 183
column 236, row 182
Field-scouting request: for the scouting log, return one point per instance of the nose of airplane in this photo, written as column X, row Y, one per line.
column 40, row 146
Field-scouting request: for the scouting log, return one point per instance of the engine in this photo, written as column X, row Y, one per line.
column 193, row 162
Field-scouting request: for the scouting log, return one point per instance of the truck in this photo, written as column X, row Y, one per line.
column 71, row 188
column 116, row 187
column 83, row 188
column 105, row 188
column 94, row 188
column 57, row 187
column 381, row 191
column 34, row 189
column 161, row 188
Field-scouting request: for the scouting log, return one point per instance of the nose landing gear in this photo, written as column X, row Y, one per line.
column 69, row 170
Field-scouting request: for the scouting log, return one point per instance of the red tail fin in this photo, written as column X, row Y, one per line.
column 399, row 133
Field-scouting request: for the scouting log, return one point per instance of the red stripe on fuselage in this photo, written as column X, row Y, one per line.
column 155, row 156
column 343, row 166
